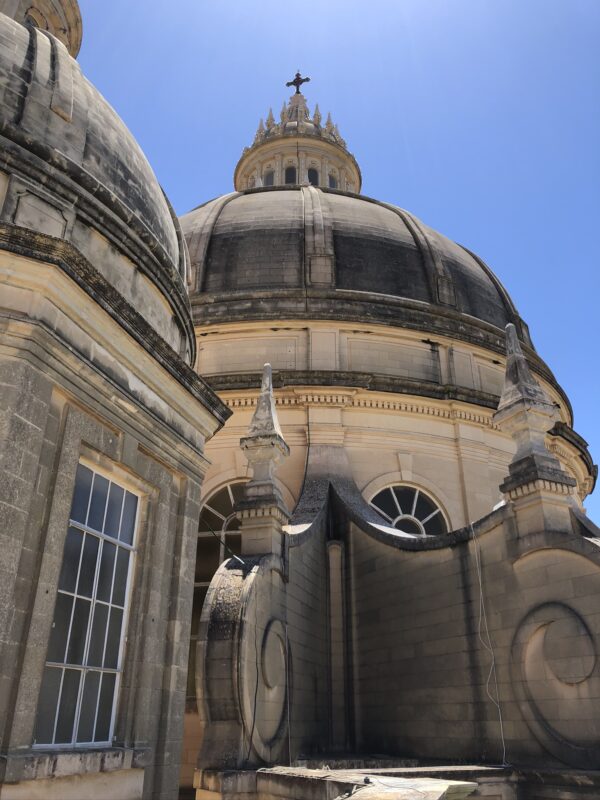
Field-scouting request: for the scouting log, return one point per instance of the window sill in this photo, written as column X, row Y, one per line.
column 40, row 764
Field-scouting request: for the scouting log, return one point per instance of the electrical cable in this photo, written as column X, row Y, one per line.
column 287, row 692
column 489, row 647
column 376, row 780
column 225, row 545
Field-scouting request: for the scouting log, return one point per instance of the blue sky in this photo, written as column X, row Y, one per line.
column 479, row 116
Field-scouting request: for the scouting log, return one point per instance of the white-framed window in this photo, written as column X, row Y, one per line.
column 411, row 510
column 269, row 178
column 78, row 695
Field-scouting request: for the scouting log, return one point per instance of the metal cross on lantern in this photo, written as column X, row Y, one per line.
column 297, row 82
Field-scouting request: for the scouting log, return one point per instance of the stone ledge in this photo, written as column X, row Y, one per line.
column 538, row 485
column 42, row 764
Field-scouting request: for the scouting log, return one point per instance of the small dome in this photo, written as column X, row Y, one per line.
column 74, row 155
column 62, row 18
column 376, row 262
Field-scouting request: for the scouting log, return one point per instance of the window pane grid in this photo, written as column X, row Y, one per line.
column 91, row 654
column 86, row 529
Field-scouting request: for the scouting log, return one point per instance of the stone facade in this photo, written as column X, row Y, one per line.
column 402, row 373
column 382, row 559
column 95, row 368
column 478, row 646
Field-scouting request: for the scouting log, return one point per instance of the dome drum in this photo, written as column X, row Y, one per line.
column 210, row 310
column 331, row 164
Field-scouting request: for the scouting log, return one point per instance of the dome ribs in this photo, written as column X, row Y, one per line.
column 438, row 276
column 198, row 237
column 319, row 256
column 319, row 253
column 511, row 309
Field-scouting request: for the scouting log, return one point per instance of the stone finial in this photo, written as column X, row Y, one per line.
column 262, row 509
column 283, row 113
column 527, row 413
column 265, row 421
column 317, row 116
column 519, row 383
column 270, row 119
column 298, row 108
column 329, row 123
column 260, row 130
column 338, row 136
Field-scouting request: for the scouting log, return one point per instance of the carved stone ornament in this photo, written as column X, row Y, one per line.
column 264, row 447
column 555, row 677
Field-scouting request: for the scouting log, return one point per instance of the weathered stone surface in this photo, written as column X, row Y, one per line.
column 74, row 164
column 61, row 17
column 418, row 671
column 258, row 240
column 527, row 413
column 96, row 344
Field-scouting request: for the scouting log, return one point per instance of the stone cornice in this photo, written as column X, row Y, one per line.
column 349, row 382
column 354, row 398
column 211, row 310
column 47, row 249
column 540, row 485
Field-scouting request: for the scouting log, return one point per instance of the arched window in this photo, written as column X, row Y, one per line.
column 269, row 178
column 290, row 175
column 313, row 177
column 410, row 510
column 218, row 537
column 217, row 520
column 333, row 184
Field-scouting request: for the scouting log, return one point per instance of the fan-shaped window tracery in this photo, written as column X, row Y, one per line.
column 410, row 510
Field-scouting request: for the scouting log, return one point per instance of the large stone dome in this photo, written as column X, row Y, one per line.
column 354, row 302
column 77, row 173
column 321, row 253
